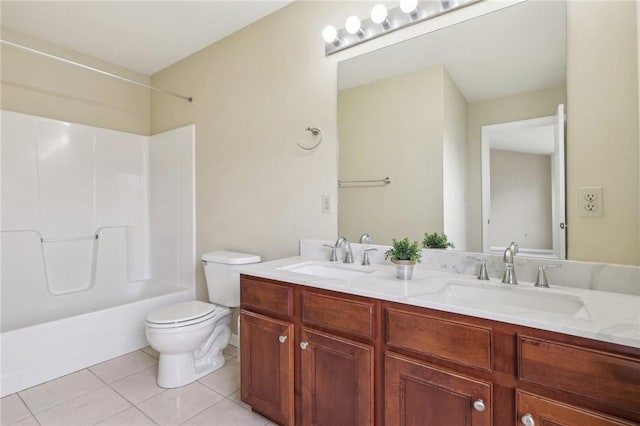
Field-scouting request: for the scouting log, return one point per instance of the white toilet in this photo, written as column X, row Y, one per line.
column 190, row 336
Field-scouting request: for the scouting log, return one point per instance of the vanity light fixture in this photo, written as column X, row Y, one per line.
column 410, row 7
column 353, row 26
column 379, row 15
column 383, row 21
column 330, row 35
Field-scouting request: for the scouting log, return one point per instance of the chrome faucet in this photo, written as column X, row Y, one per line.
column 348, row 254
column 365, row 238
column 510, row 252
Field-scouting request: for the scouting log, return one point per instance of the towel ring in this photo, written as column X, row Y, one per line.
column 315, row 132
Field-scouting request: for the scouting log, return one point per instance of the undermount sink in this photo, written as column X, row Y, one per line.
column 329, row 270
column 509, row 299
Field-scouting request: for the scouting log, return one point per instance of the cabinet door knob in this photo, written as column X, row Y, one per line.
column 282, row 339
column 303, row 345
column 527, row 420
column 478, row 405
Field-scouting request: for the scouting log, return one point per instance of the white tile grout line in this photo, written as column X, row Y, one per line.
column 129, row 402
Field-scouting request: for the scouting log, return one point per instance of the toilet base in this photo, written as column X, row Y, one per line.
column 177, row 370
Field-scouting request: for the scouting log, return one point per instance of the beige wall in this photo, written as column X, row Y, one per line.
column 454, row 173
column 541, row 103
column 256, row 91
column 602, row 129
column 400, row 137
column 41, row 86
column 520, row 199
column 254, row 94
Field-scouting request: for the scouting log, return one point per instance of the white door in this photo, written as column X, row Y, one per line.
column 559, row 204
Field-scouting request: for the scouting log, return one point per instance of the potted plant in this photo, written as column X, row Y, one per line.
column 404, row 254
column 437, row 241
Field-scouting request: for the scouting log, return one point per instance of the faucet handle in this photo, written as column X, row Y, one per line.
column 365, row 238
column 365, row 256
column 541, row 280
column 334, row 256
column 482, row 273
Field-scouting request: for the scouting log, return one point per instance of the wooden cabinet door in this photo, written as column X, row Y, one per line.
column 266, row 376
column 536, row 410
column 418, row 394
column 336, row 380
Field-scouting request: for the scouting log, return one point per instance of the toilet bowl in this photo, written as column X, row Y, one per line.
column 190, row 336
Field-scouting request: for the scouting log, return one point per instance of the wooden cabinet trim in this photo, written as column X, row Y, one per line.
column 456, row 341
column 449, row 385
column 269, row 394
column 344, row 355
column 344, row 315
column 581, row 371
column 546, row 411
column 266, row 296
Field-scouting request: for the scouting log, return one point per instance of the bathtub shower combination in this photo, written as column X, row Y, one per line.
column 97, row 231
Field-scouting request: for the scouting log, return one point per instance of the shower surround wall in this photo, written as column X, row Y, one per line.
column 97, row 230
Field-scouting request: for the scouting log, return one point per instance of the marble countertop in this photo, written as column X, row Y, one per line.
column 599, row 315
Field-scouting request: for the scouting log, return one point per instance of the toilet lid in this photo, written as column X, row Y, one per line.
column 181, row 312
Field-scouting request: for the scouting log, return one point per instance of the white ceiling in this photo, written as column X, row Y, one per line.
column 144, row 36
column 517, row 49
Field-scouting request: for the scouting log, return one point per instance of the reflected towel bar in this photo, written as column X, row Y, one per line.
column 385, row 181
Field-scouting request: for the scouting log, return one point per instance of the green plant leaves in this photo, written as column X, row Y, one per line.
column 404, row 250
column 436, row 240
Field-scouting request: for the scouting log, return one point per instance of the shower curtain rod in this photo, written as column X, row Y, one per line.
column 99, row 71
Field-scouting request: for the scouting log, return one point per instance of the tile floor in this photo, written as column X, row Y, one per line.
column 123, row 392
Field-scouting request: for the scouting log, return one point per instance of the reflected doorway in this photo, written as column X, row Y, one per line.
column 523, row 186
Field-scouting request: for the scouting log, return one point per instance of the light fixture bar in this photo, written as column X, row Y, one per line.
column 396, row 19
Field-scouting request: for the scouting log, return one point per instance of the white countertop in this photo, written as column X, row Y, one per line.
column 598, row 315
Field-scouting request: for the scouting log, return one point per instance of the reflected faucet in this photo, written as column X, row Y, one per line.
column 348, row 254
column 510, row 252
column 365, row 238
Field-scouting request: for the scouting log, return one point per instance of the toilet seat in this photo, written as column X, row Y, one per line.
column 183, row 314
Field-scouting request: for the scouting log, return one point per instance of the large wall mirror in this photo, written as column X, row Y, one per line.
column 416, row 112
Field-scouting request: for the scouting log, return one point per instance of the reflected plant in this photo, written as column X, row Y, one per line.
column 437, row 241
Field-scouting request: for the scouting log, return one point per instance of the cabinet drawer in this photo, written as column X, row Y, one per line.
column 545, row 411
column 266, row 296
column 453, row 341
column 344, row 315
column 601, row 376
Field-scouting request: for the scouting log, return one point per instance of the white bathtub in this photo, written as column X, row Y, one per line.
column 36, row 349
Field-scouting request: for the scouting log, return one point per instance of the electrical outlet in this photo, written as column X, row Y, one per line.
column 591, row 201
column 326, row 203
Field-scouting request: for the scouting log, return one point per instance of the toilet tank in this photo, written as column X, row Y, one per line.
column 222, row 276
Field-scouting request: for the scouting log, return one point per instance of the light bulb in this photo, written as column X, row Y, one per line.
column 352, row 25
column 408, row 6
column 379, row 14
column 330, row 34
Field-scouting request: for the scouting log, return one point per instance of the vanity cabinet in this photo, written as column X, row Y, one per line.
column 535, row 410
column 336, row 379
column 417, row 393
column 319, row 357
column 267, row 349
column 267, row 365
column 308, row 349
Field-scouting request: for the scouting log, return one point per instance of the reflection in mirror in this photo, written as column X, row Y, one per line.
column 523, row 183
column 415, row 111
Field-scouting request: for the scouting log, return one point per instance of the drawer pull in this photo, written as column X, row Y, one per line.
column 282, row 339
column 527, row 420
column 303, row 345
column 478, row 405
